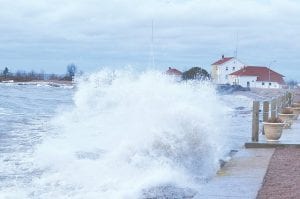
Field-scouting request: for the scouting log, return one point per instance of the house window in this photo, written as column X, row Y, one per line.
column 263, row 83
column 226, row 68
column 233, row 68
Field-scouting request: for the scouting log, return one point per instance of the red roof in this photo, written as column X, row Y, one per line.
column 222, row 60
column 173, row 71
column 261, row 72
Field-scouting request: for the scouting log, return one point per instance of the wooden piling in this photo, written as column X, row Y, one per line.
column 273, row 109
column 270, row 109
column 266, row 109
column 255, row 121
column 278, row 105
column 289, row 98
column 286, row 103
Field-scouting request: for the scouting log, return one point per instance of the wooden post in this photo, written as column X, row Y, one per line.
column 255, row 121
column 282, row 103
column 278, row 105
column 273, row 109
column 266, row 109
column 286, row 99
column 289, row 99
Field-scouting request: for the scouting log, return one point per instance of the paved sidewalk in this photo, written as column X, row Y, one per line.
column 283, row 176
column 241, row 177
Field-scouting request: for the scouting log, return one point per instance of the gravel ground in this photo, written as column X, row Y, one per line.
column 282, row 180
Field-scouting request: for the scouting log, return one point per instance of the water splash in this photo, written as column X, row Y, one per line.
column 129, row 133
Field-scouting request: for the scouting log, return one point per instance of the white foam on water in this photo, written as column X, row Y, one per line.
column 129, row 133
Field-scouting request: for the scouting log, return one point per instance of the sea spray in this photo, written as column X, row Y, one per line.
column 129, row 133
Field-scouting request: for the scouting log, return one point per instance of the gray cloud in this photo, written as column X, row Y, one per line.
column 50, row 34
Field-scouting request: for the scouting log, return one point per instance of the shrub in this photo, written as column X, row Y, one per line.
column 287, row 111
column 296, row 105
column 274, row 120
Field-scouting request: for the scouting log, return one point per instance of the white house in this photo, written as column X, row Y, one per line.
column 257, row 77
column 223, row 67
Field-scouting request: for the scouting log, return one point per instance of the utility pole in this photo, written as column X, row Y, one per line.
column 236, row 45
column 270, row 71
column 152, row 45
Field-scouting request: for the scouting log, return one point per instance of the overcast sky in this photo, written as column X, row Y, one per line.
column 49, row 34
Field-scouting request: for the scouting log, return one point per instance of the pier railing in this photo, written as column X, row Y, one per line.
column 263, row 110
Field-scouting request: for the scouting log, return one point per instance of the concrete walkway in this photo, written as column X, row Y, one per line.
column 241, row 177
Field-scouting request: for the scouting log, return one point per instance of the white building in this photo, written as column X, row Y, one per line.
column 223, row 67
column 256, row 77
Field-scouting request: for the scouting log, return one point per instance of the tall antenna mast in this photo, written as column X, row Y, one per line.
column 152, row 45
column 236, row 45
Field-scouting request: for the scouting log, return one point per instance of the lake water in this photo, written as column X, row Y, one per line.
column 116, row 135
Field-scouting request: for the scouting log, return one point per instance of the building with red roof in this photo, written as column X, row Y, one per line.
column 173, row 71
column 223, row 67
column 257, row 76
column 222, row 60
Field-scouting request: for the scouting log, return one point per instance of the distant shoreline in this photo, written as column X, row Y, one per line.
column 54, row 83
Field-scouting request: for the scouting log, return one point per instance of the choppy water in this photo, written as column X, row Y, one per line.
column 118, row 135
column 24, row 115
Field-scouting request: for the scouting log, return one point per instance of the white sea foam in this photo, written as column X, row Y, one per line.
column 129, row 133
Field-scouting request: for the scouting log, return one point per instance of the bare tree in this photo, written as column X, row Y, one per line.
column 292, row 83
column 5, row 72
column 71, row 70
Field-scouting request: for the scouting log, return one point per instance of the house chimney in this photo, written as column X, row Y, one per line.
column 223, row 57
